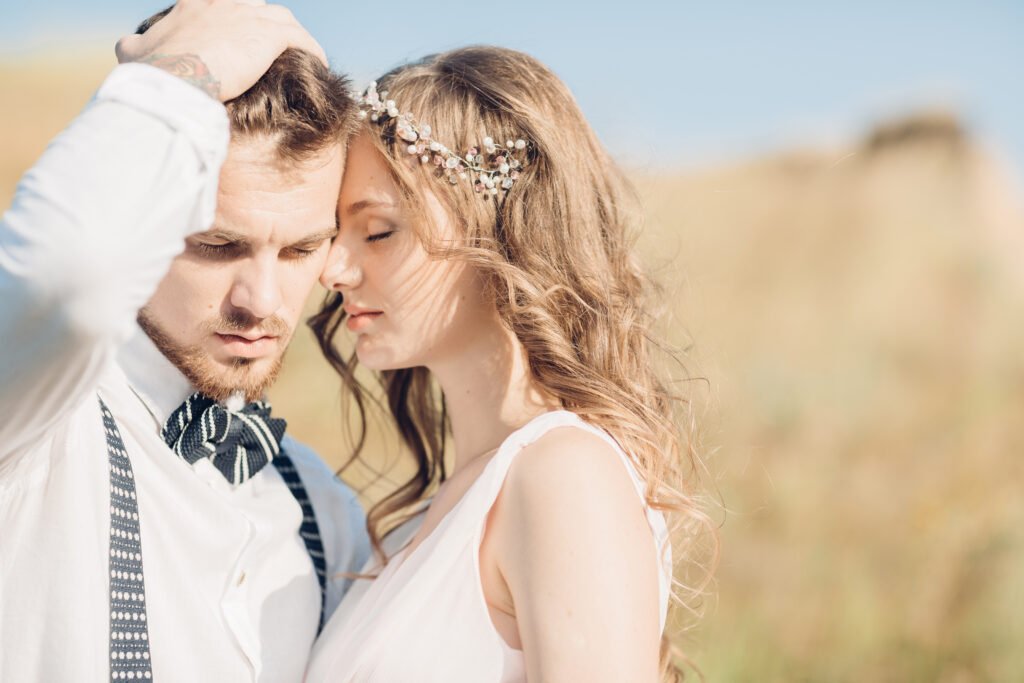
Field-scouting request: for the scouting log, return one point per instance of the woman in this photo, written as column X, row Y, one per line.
column 484, row 266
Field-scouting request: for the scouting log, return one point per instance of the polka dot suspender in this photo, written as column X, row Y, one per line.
column 129, row 634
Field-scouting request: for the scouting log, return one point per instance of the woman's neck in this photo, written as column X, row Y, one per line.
column 489, row 393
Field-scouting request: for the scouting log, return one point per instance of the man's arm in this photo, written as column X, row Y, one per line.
column 92, row 229
column 96, row 222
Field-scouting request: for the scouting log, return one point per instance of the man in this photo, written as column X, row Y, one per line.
column 151, row 524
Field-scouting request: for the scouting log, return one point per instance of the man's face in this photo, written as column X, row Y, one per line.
column 229, row 304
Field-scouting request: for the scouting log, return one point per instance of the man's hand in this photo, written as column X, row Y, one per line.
column 220, row 46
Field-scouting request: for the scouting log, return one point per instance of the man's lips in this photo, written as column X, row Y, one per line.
column 246, row 337
column 247, row 345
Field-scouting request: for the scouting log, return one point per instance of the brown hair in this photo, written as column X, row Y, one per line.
column 556, row 252
column 299, row 103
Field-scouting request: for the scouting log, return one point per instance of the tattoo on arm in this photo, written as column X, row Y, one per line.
column 189, row 68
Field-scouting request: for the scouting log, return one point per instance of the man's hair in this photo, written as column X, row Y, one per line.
column 298, row 103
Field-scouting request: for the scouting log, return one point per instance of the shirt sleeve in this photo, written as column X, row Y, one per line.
column 91, row 232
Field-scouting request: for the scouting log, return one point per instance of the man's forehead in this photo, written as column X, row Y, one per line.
column 284, row 219
column 267, row 199
column 263, row 154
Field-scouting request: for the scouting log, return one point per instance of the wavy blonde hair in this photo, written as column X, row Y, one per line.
column 556, row 253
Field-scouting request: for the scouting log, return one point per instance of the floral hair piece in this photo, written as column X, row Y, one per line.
column 497, row 168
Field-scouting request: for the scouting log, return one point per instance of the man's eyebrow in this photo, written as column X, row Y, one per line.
column 364, row 204
column 242, row 239
column 317, row 237
column 226, row 235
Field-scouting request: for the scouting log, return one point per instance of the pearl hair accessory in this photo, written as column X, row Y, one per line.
column 495, row 169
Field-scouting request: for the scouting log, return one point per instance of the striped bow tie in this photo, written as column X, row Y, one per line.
column 238, row 443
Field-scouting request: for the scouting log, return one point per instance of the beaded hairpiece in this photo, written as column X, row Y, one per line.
column 495, row 168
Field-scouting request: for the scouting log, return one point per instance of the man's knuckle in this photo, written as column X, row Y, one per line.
column 281, row 13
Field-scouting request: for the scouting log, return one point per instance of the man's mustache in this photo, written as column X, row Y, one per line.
column 240, row 321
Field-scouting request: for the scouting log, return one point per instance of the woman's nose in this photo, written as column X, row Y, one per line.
column 341, row 270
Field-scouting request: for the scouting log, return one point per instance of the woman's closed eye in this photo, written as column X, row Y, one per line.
column 378, row 236
column 379, row 228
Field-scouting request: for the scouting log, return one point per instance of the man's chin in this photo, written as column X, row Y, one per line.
column 220, row 378
column 215, row 371
column 228, row 362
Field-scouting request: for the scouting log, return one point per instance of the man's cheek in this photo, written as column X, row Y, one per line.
column 298, row 288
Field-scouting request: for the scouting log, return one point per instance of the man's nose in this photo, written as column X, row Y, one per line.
column 257, row 288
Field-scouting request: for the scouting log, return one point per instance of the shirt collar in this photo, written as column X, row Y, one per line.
column 153, row 378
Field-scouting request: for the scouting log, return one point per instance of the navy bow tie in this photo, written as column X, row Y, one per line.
column 238, row 443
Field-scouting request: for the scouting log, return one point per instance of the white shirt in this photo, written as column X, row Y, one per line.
column 231, row 592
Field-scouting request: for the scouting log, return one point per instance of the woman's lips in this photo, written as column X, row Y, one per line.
column 360, row 321
column 244, row 347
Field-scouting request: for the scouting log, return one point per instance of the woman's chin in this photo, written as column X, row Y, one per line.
column 376, row 358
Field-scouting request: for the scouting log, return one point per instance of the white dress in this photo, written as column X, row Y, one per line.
column 424, row 618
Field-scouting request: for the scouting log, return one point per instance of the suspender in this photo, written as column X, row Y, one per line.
column 310, row 530
column 129, row 634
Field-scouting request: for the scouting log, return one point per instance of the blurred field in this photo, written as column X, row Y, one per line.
column 859, row 314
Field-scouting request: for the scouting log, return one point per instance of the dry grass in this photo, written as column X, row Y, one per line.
column 860, row 316
column 860, row 319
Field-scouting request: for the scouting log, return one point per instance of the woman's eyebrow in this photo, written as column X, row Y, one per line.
column 364, row 204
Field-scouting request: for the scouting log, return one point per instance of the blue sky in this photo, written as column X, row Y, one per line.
column 674, row 84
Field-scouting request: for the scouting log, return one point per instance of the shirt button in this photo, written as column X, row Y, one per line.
column 240, row 580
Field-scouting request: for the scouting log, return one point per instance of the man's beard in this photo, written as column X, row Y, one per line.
column 210, row 377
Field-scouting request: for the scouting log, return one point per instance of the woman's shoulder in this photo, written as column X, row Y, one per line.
column 570, row 469
column 571, row 521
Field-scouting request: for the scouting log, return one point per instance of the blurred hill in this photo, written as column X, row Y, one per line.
column 859, row 314
column 40, row 95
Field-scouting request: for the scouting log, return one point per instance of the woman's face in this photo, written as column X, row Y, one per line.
column 405, row 307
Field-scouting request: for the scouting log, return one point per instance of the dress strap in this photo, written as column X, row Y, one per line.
column 493, row 476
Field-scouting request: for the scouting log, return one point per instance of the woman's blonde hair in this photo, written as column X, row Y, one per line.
column 556, row 253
